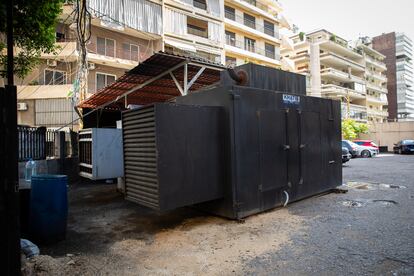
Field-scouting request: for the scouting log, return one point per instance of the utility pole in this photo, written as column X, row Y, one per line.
column 9, row 188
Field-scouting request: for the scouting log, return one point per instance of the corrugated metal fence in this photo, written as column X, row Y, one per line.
column 40, row 143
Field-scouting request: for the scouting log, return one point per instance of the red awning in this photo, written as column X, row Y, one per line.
column 158, row 79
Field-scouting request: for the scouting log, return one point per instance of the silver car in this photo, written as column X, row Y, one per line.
column 358, row 150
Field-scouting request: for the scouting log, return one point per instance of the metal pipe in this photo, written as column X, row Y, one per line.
column 240, row 77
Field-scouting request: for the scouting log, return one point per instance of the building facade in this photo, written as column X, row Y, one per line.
column 124, row 33
column 337, row 70
column 252, row 32
column 113, row 49
column 398, row 50
column 375, row 80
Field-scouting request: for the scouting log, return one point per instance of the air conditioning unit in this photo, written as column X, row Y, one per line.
column 91, row 66
column 22, row 106
column 51, row 62
column 101, row 153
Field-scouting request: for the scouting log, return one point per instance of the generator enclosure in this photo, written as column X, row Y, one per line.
column 262, row 77
column 233, row 151
column 101, row 153
column 168, row 156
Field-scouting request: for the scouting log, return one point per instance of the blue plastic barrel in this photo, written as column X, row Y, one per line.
column 48, row 208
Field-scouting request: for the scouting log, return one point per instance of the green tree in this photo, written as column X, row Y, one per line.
column 34, row 23
column 351, row 129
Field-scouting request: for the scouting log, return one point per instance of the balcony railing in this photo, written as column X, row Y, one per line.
column 230, row 15
column 260, row 5
column 341, row 91
column 250, row 47
column 375, row 87
column 119, row 52
column 376, row 62
column 253, row 24
column 338, row 57
column 356, row 112
column 198, row 32
column 376, row 112
column 376, row 75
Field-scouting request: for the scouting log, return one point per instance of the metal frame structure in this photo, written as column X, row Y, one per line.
column 142, row 86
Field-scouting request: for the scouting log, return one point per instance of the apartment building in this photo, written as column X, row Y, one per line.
column 252, row 32
column 336, row 70
column 118, row 42
column 194, row 27
column 376, row 81
column 398, row 50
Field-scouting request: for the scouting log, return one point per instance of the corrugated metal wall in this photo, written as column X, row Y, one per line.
column 140, row 158
column 54, row 112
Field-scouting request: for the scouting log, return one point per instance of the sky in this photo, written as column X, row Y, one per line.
column 351, row 19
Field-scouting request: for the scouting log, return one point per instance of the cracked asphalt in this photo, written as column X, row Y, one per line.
column 374, row 237
column 366, row 231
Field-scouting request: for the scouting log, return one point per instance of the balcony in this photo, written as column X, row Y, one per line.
column 356, row 112
column 334, row 60
column 337, row 92
column 268, row 8
column 376, row 75
column 194, row 30
column 377, row 63
column 117, row 58
column 252, row 27
column 66, row 51
column 275, row 5
column 377, row 113
column 376, row 100
column 250, row 51
column 337, row 75
column 376, row 88
column 43, row 91
column 338, row 46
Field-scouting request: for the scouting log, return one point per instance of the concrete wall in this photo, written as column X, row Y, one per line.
column 27, row 117
column 387, row 134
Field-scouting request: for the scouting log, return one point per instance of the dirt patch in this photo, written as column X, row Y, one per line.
column 110, row 236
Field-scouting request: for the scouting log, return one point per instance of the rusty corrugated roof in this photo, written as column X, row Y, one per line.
column 161, row 89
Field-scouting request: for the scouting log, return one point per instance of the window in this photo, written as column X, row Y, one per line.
column 54, row 77
column 197, row 27
column 201, row 4
column 103, row 80
column 269, row 28
column 230, row 13
column 249, row 44
column 130, row 51
column 105, row 46
column 231, row 61
column 249, row 21
column 60, row 37
column 230, row 38
column 270, row 50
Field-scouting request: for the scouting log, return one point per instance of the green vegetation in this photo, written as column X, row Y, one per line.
column 34, row 25
column 301, row 36
column 351, row 129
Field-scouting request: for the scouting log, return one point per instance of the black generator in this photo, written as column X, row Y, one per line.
column 233, row 150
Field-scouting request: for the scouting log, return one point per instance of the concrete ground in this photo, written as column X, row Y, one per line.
column 367, row 231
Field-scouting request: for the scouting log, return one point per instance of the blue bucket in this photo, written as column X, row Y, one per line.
column 48, row 208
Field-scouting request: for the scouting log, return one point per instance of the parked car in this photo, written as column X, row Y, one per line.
column 358, row 150
column 367, row 143
column 346, row 156
column 404, row 146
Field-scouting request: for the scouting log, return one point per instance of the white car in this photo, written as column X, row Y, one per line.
column 358, row 150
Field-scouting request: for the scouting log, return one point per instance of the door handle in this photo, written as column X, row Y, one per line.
column 286, row 147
